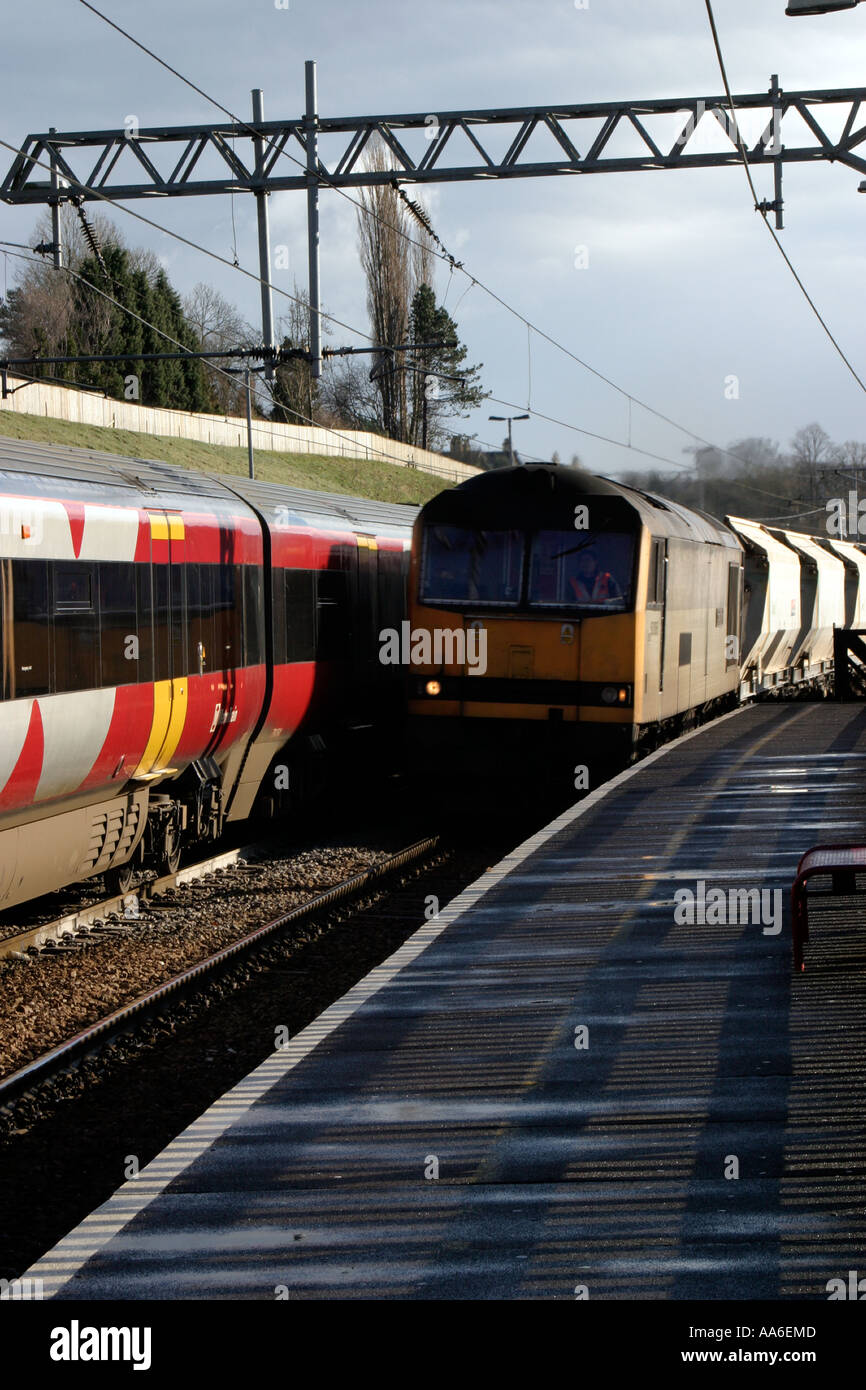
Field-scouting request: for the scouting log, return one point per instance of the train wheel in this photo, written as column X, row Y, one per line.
column 123, row 879
column 169, row 859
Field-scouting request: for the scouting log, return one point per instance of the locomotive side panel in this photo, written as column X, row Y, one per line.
column 691, row 605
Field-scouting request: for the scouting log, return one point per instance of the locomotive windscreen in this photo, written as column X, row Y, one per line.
column 568, row 568
column 463, row 565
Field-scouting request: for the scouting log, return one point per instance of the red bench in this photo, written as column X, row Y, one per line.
column 841, row 862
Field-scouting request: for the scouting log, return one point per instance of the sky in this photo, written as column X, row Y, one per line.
column 677, row 289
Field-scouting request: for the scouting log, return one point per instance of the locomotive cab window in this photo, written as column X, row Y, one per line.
column 734, row 607
column 471, row 566
column 656, row 590
column 584, row 570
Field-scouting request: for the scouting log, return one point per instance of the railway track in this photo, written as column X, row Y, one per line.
column 151, row 1003
column 79, row 924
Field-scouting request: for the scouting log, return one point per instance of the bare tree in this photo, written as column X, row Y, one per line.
column 348, row 399
column 77, row 245
column 218, row 327
column 295, row 396
column 39, row 316
column 216, row 322
column 851, row 454
column 811, row 450
column 387, row 261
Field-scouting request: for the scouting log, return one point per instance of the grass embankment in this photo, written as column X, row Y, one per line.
column 383, row 482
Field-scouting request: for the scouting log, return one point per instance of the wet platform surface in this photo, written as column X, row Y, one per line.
column 557, row 1086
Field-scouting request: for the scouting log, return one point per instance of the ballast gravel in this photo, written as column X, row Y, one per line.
column 47, row 997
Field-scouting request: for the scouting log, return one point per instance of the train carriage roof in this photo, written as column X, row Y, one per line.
column 360, row 514
column 544, row 495
column 95, row 476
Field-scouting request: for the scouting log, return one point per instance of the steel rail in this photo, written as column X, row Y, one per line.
column 117, row 905
column 89, row 1039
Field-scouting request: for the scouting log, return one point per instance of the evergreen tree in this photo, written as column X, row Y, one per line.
column 177, row 385
column 441, row 386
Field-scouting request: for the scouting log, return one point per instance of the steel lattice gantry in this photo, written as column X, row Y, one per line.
column 314, row 152
column 456, row 147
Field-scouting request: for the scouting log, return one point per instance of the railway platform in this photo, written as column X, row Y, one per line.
column 594, row 1075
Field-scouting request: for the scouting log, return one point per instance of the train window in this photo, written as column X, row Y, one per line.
column 301, row 612
column 332, row 615
column 118, row 624
column 200, row 603
column 656, row 587
column 7, row 633
column 26, row 624
column 573, row 569
column 177, row 574
column 254, row 643
column 73, row 588
column 732, row 644
column 392, row 588
column 471, row 566
column 144, row 604
column 228, row 599
column 161, row 632
column 278, row 615
column 76, row 628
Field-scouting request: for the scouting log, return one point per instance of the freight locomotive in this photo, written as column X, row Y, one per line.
column 609, row 618
column 177, row 650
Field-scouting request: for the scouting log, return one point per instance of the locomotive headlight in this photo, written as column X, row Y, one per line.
column 433, row 688
column 610, row 695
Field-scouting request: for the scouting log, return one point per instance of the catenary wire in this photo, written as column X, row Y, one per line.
column 744, row 157
column 473, row 281
column 443, row 256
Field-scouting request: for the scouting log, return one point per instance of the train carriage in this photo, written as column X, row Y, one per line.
column 167, row 640
column 854, row 561
column 797, row 589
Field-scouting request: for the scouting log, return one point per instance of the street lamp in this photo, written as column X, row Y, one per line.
column 509, row 418
column 796, row 7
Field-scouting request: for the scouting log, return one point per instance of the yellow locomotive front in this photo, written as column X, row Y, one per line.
column 522, row 632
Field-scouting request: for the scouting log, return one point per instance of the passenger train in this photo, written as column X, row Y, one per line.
column 610, row 617
column 177, row 649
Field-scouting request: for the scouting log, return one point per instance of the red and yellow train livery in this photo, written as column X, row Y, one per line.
column 175, row 648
